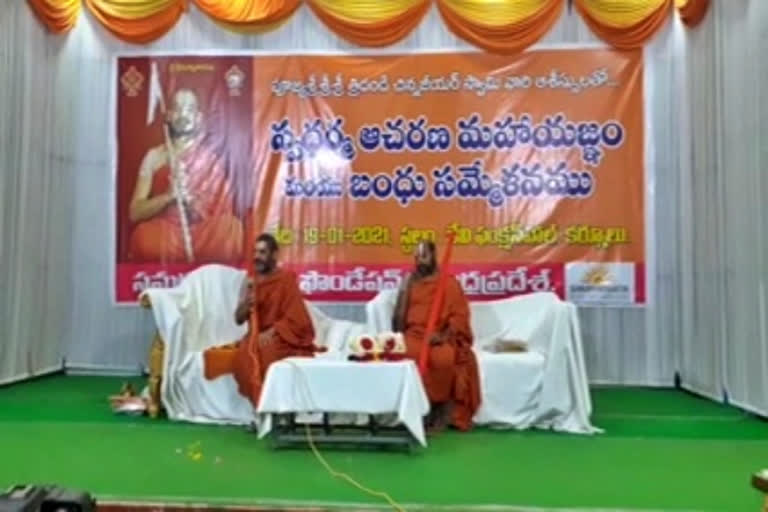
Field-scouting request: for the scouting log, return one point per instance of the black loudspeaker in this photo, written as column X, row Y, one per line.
column 42, row 498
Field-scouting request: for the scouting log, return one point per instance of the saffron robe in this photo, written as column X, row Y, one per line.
column 216, row 233
column 281, row 310
column 452, row 373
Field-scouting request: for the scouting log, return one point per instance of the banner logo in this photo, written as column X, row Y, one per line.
column 132, row 82
column 608, row 284
column 234, row 78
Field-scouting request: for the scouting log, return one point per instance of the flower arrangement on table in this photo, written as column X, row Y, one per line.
column 388, row 346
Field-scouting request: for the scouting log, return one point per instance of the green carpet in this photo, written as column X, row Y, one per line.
column 662, row 450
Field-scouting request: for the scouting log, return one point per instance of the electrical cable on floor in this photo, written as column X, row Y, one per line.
column 337, row 474
column 354, row 483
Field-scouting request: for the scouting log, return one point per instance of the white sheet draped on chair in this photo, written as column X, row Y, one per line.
column 199, row 314
column 545, row 387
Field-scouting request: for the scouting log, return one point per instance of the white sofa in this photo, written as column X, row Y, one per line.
column 544, row 387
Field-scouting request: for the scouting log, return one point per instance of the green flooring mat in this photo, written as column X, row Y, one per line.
column 662, row 450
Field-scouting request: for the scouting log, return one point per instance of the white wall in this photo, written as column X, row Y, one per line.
column 36, row 191
column 724, row 342
column 64, row 145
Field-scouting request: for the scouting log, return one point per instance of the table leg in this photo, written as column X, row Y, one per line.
column 287, row 433
column 373, row 425
column 326, row 423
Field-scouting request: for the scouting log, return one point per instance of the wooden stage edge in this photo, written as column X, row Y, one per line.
column 106, row 505
column 160, row 507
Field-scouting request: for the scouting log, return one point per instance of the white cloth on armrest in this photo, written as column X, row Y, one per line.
column 545, row 387
column 333, row 334
column 511, row 402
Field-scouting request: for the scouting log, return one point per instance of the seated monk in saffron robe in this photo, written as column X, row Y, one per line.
column 452, row 381
column 285, row 327
column 215, row 232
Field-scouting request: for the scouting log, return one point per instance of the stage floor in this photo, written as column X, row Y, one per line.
column 662, row 450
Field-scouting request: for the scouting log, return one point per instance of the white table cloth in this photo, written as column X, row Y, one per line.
column 329, row 385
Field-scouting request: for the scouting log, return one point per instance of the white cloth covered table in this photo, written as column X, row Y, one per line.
column 545, row 387
column 327, row 385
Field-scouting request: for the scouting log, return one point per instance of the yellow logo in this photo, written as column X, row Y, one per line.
column 597, row 276
column 132, row 80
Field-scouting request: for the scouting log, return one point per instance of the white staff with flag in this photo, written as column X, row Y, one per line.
column 178, row 179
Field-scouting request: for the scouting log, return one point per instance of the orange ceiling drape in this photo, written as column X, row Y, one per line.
column 248, row 15
column 692, row 12
column 137, row 21
column 503, row 31
column 498, row 26
column 379, row 25
column 625, row 24
column 58, row 16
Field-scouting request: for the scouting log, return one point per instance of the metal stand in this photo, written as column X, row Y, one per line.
column 286, row 433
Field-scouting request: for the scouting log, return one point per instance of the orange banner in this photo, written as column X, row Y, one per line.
column 536, row 163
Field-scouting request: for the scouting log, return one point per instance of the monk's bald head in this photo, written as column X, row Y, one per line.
column 184, row 117
column 425, row 258
column 265, row 253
